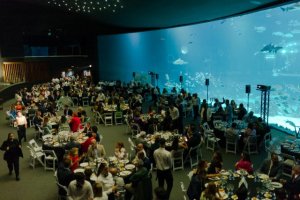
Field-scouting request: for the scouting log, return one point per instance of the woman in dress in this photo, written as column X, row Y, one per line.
column 120, row 151
column 12, row 153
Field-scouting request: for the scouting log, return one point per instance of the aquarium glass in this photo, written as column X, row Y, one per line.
column 261, row 48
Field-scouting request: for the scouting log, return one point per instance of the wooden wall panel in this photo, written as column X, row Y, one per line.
column 13, row 72
column 16, row 72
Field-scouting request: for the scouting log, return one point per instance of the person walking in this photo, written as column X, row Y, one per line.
column 13, row 151
column 164, row 166
column 21, row 125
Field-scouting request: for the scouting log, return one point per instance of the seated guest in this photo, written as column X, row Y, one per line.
column 95, row 133
column 198, row 180
column 106, row 178
column 232, row 132
column 244, row 163
column 249, row 132
column 210, row 193
column 37, row 119
column 146, row 161
column 139, row 183
column 63, row 125
column 75, row 159
column 216, row 164
column 74, row 122
column 67, row 111
column 86, row 144
column 139, row 148
column 120, row 151
column 87, row 127
column 73, row 143
column 293, row 185
column 272, row 167
column 98, row 192
column 64, row 175
column 46, row 126
column 80, row 188
column 176, row 145
column 95, row 151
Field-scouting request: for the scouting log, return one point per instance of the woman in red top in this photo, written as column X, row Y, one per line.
column 74, row 122
column 244, row 163
column 74, row 157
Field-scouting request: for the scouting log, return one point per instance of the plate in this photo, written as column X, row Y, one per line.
column 224, row 173
column 125, row 173
column 267, row 195
column 130, row 166
column 250, row 176
column 84, row 164
column 263, row 176
column 235, row 197
column 276, row 185
column 124, row 161
column 78, row 170
column 214, row 178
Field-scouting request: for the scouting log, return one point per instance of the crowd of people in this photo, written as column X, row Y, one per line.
column 40, row 104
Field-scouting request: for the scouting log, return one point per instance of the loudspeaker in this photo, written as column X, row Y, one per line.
column 180, row 79
column 156, row 76
column 133, row 74
column 248, row 89
column 207, row 82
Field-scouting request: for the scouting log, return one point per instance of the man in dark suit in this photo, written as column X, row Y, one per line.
column 272, row 167
column 293, row 185
column 67, row 111
column 64, row 175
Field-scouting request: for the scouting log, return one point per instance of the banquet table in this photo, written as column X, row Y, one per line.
column 259, row 186
column 291, row 148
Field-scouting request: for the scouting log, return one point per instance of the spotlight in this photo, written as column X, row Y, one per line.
column 90, row 66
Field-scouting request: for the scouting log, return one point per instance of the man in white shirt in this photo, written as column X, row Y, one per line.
column 163, row 161
column 80, row 188
column 21, row 126
column 107, row 180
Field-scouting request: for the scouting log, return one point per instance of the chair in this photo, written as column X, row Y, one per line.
column 85, row 101
column 50, row 160
column 63, row 192
column 251, row 145
column 132, row 149
column 193, row 156
column 34, row 145
column 207, row 131
column 35, row 155
column 287, row 165
column 135, row 129
column 108, row 119
column 212, row 142
column 118, row 118
column 75, row 101
column 99, row 118
column 177, row 159
column 231, row 144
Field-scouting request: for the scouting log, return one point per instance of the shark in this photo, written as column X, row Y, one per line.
column 270, row 48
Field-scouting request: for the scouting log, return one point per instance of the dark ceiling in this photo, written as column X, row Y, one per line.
column 115, row 16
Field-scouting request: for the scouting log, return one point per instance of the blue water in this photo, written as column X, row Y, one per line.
column 231, row 53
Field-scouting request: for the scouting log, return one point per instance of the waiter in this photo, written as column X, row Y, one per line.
column 21, row 126
column 164, row 165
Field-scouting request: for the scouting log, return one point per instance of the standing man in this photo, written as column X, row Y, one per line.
column 163, row 161
column 12, row 153
column 21, row 126
column 174, row 113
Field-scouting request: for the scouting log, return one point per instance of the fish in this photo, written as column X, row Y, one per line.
column 270, row 48
column 179, row 61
